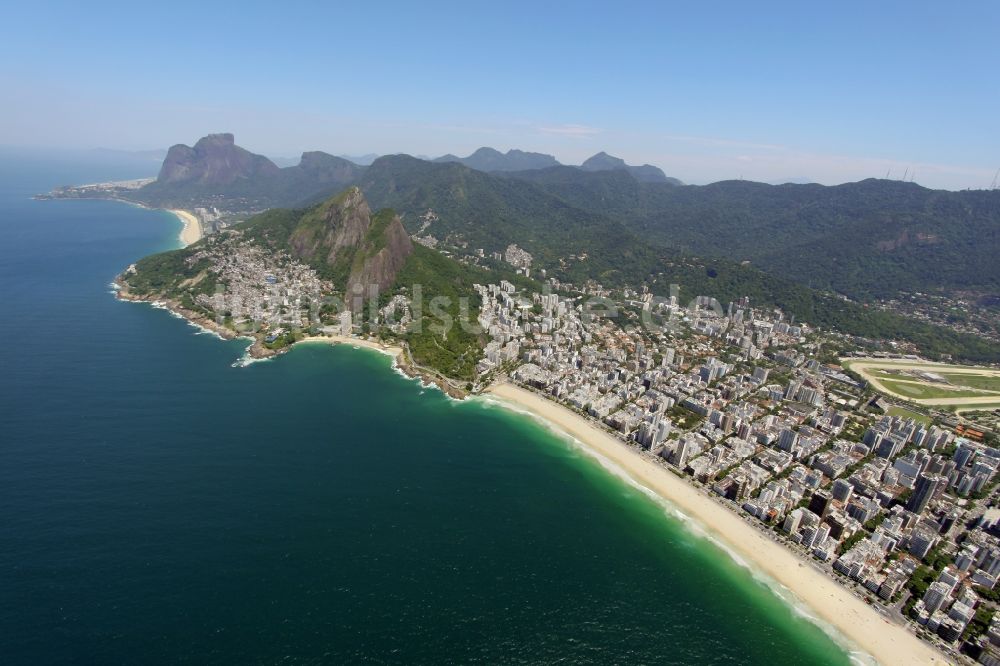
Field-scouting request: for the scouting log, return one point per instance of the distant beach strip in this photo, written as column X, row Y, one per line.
column 192, row 231
column 389, row 350
column 834, row 605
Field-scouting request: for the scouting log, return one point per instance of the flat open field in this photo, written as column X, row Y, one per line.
column 926, row 391
column 956, row 387
column 909, row 414
column 983, row 382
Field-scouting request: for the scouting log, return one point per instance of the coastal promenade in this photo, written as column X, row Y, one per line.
column 833, row 604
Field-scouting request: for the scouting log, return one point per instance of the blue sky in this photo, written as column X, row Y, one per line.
column 707, row 91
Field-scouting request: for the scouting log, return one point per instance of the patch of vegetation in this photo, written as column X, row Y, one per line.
column 852, row 540
column 984, row 382
column 438, row 338
column 925, row 391
column 905, row 413
column 602, row 229
column 162, row 273
column 979, row 624
column 988, row 593
column 867, row 239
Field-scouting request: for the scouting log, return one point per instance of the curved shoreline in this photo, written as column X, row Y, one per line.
column 856, row 626
column 192, row 231
column 833, row 604
column 388, row 350
column 837, row 609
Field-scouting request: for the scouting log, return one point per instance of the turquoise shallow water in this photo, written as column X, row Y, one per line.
column 162, row 506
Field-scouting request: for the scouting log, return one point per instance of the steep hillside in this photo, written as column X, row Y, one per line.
column 478, row 210
column 340, row 238
column 873, row 238
column 346, row 245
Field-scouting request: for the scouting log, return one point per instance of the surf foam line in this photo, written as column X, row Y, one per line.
column 698, row 529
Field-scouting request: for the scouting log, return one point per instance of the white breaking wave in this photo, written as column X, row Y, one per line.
column 695, row 527
column 246, row 359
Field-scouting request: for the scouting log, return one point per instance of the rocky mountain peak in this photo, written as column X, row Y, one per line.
column 220, row 139
column 342, row 233
column 214, row 160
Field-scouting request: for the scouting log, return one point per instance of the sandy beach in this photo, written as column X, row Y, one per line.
column 395, row 352
column 192, row 231
column 833, row 604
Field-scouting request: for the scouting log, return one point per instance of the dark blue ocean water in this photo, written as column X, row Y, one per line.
column 160, row 506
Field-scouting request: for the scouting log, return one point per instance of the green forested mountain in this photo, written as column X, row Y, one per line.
column 793, row 246
column 604, row 241
column 868, row 239
column 479, row 210
column 347, row 244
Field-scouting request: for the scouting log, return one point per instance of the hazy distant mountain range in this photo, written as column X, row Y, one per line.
column 488, row 159
column 361, row 160
column 790, row 245
column 647, row 173
column 215, row 167
column 796, row 180
column 491, row 160
column 869, row 239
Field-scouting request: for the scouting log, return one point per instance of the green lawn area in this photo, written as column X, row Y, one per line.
column 974, row 381
column 885, row 374
column 919, row 391
column 909, row 414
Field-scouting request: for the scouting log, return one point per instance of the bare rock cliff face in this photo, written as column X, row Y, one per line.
column 340, row 234
column 214, row 160
column 382, row 267
column 352, row 221
column 337, row 225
